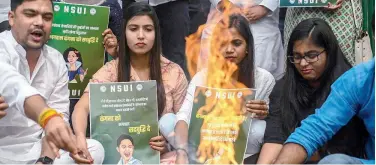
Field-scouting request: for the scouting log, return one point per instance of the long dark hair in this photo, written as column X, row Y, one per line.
column 299, row 95
column 124, row 68
column 300, row 99
column 246, row 66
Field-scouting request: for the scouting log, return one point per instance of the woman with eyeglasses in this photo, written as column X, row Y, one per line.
column 314, row 62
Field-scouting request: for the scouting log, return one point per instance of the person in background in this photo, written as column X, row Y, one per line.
column 352, row 94
column 174, row 20
column 139, row 59
column 314, row 62
column 34, row 82
column 281, row 25
column 343, row 17
column 262, row 16
column 238, row 48
column 198, row 13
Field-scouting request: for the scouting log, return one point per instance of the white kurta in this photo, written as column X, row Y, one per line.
column 20, row 136
column 269, row 53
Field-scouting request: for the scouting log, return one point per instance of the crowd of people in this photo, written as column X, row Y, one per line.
column 315, row 99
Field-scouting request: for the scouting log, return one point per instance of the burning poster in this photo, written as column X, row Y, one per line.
column 219, row 126
column 79, row 39
column 124, row 117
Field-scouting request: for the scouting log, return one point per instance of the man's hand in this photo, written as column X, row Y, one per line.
column 110, row 42
column 3, row 107
column 291, row 153
column 59, row 136
column 83, row 156
column 335, row 6
column 158, row 143
column 181, row 157
column 255, row 13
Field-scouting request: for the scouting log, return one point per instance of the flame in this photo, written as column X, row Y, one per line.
column 220, row 72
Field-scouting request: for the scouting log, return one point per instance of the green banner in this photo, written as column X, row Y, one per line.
column 124, row 117
column 219, row 125
column 77, row 34
column 305, row 3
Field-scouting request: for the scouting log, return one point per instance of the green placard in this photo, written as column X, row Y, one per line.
column 305, row 3
column 219, row 125
column 77, row 34
column 125, row 108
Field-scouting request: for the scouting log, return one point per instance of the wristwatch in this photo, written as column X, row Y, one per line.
column 45, row 160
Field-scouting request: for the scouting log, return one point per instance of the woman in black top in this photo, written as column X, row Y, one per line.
column 314, row 62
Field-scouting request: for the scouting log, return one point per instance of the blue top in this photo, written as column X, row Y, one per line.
column 352, row 94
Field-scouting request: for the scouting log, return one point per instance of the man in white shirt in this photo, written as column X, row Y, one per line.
column 34, row 79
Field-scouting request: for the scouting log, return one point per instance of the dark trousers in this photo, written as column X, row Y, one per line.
column 282, row 14
column 198, row 12
column 174, row 23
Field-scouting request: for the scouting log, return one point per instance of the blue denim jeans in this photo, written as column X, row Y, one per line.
column 339, row 159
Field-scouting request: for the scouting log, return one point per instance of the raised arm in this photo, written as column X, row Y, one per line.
column 341, row 105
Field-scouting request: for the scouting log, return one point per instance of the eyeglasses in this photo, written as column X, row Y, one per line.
column 309, row 57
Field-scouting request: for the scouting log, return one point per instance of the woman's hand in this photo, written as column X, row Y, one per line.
column 110, row 42
column 158, row 143
column 258, row 107
column 335, row 6
column 255, row 13
column 83, row 156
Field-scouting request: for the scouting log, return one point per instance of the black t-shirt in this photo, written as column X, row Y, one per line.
column 349, row 140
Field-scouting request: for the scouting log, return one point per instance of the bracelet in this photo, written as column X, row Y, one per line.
column 46, row 115
column 48, row 118
column 183, row 149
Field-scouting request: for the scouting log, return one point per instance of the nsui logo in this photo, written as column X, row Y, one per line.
column 139, row 87
column 56, row 8
column 93, row 11
column 103, row 89
column 208, row 93
column 292, row 1
column 240, row 94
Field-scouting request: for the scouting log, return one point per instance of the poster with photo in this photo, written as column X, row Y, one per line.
column 124, row 117
column 79, row 39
